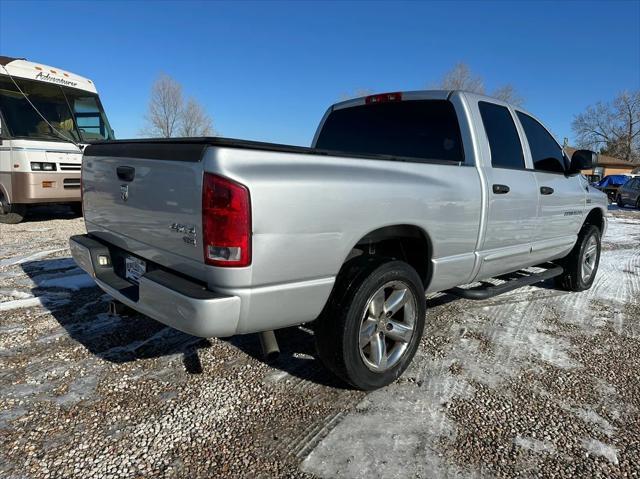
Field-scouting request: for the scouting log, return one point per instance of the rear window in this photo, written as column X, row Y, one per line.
column 423, row 129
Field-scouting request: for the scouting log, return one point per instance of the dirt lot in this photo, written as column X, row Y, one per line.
column 537, row 382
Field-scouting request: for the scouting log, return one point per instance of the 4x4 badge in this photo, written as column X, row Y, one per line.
column 124, row 192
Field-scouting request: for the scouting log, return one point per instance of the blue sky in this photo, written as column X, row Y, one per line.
column 268, row 70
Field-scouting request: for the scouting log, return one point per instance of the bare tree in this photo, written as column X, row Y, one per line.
column 195, row 121
column 168, row 116
column 165, row 108
column 460, row 77
column 611, row 128
column 508, row 93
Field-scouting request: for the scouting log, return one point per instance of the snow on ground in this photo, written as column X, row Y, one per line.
column 403, row 431
column 536, row 382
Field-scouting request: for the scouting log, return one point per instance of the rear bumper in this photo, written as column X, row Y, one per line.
column 168, row 298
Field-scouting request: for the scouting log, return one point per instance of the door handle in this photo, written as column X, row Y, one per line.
column 500, row 189
column 546, row 190
column 126, row 173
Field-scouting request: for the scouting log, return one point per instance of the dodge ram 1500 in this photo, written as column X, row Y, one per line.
column 400, row 194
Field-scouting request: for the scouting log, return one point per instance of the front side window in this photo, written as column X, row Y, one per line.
column 504, row 142
column 90, row 117
column 422, row 129
column 545, row 152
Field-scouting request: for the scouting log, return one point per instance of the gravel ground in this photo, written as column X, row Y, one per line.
column 536, row 382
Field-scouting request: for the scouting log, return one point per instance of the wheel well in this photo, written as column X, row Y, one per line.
column 595, row 218
column 408, row 243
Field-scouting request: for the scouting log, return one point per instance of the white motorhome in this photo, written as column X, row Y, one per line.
column 47, row 116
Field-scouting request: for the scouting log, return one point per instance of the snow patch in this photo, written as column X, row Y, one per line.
column 535, row 445
column 14, row 260
column 589, row 415
column 597, row 448
column 21, row 303
column 48, row 301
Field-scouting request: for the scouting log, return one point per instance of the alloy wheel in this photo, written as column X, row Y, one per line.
column 388, row 325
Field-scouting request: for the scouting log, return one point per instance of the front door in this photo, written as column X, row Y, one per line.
column 561, row 198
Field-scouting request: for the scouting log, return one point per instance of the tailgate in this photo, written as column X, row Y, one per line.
column 146, row 197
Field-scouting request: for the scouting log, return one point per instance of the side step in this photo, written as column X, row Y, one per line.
column 522, row 278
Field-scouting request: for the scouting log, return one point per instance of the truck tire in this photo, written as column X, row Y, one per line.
column 581, row 265
column 370, row 331
column 11, row 214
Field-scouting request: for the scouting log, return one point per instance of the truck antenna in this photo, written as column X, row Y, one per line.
column 53, row 128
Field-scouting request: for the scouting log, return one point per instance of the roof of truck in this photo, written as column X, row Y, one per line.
column 22, row 68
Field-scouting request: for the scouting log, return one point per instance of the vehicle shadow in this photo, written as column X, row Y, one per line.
column 50, row 212
column 80, row 308
column 298, row 356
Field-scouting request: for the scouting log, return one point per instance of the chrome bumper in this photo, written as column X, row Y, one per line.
column 161, row 295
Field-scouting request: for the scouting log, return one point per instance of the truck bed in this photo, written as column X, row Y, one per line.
column 191, row 149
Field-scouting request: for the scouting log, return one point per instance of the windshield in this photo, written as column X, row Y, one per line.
column 76, row 114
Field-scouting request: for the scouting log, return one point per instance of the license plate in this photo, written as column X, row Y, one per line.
column 134, row 268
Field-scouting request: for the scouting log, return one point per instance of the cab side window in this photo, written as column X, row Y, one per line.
column 545, row 152
column 504, row 143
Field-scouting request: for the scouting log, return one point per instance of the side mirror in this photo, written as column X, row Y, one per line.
column 582, row 160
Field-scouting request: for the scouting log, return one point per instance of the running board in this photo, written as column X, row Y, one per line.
column 489, row 290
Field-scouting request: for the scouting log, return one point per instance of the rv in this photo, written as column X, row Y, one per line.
column 47, row 117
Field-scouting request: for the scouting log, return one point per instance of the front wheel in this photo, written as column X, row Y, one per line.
column 11, row 213
column 619, row 202
column 370, row 333
column 581, row 265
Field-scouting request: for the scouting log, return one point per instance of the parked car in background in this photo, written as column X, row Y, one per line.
column 47, row 115
column 629, row 193
column 610, row 184
column 400, row 193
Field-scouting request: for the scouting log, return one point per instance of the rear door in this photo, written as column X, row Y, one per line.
column 561, row 198
column 512, row 191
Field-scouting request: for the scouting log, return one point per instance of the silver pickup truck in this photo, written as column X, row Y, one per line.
column 400, row 194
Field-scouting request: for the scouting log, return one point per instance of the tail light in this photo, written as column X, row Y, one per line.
column 226, row 222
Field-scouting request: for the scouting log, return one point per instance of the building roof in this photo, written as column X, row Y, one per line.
column 604, row 160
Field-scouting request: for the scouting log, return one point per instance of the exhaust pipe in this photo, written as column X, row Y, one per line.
column 116, row 308
column 269, row 345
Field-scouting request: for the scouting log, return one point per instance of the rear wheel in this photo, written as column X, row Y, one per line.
column 370, row 333
column 581, row 265
column 11, row 213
